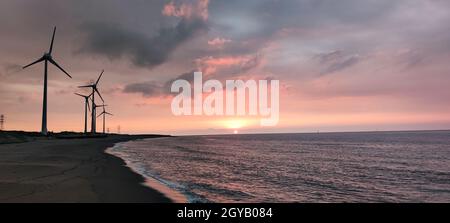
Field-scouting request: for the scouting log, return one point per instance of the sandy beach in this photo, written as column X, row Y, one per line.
column 70, row 170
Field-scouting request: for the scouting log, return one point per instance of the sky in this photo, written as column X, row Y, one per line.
column 347, row 65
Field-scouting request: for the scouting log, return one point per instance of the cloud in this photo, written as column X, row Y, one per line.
column 147, row 89
column 227, row 64
column 336, row 61
column 188, row 76
column 11, row 68
column 218, row 42
column 116, row 42
column 220, row 67
column 187, row 9
column 151, row 89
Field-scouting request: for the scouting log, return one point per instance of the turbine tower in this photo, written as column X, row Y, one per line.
column 47, row 57
column 104, row 113
column 94, row 106
column 86, row 107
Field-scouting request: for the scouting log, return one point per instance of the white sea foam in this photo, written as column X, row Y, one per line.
column 163, row 186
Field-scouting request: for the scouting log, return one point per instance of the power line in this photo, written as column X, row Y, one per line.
column 2, row 122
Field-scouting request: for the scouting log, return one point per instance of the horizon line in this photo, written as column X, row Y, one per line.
column 252, row 133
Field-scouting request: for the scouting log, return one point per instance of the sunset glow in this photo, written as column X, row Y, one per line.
column 235, row 124
column 381, row 65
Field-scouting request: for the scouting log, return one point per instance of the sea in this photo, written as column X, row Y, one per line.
column 284, row 168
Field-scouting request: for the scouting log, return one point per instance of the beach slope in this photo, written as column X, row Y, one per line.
column 70, row 170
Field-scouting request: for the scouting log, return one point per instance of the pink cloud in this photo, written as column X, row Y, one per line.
column 187, row 9
column 210, row 65
column 218, row 42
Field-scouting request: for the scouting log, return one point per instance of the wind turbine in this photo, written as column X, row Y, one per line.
column 104, row 113
column 86, row 107
column 47, row 57
column 94, row 106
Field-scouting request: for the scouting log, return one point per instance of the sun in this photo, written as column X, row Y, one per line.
column 235, row 124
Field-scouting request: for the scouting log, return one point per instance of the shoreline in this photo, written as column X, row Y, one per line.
column 149, row 181
column 72, row 170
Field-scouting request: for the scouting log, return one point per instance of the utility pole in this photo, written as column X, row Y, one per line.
column 2, row 122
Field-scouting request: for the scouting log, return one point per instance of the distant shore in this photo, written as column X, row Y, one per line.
column 40, row 169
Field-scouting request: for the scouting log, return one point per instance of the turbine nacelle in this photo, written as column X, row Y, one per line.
column 47, row 56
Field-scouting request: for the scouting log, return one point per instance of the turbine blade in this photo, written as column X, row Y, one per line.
column 54, row 63
column 99, row 77
column 109, row 113
column 86, row 86
column 35, row 62
column 100, row 115
column 89, row 107
column 51, row 44
column 99, row 94
column 80, row 95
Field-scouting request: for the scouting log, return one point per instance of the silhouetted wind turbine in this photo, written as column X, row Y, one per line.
column 86, row 107
column 104, row 113
column 47, row 57
column 94, row 106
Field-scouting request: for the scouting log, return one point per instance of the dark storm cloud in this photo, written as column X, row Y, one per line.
column 154, row 89
column 188, row 76
column 147, row 89
column 116, row 42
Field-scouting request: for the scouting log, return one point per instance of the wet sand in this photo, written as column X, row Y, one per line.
column 70, row 170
